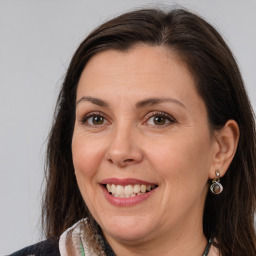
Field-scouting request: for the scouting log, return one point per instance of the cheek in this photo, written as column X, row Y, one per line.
column 86, row 154
column 182, row 160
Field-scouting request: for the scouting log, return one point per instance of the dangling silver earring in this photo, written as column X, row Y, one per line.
column 216, row 187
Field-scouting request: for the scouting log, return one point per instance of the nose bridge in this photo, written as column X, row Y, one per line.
column 123, row 147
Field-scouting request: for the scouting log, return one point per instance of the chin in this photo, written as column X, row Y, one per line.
column 127, row 228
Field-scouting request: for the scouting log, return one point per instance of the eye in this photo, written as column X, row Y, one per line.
column 159, row 119
column 94, row 119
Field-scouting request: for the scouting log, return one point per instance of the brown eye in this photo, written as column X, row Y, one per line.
column 159, row 120
column 94, row 120
column 97, row 120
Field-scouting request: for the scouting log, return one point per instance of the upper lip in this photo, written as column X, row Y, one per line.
column 127, row 181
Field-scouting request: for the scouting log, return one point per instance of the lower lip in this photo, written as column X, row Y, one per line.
column 130, row 201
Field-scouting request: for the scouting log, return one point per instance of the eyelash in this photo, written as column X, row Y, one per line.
column 169, row 118
column 86, row 117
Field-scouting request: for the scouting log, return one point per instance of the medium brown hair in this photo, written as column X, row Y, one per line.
column 229, row 217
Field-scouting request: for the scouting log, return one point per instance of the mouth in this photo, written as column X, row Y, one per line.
column 130, row 190
column 127, row 192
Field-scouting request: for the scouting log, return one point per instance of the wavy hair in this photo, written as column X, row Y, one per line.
column 228, row 216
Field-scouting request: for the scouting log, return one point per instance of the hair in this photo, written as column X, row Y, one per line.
column 229, row 217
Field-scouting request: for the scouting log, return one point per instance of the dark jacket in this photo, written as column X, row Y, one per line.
column 48, row 247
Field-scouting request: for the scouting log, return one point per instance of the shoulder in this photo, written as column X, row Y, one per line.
column 49, row 247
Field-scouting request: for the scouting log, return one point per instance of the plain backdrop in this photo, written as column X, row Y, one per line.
column 37, row 40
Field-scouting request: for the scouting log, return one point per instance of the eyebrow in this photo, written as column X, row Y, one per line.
column 93, row 100
column 154, row 101
column 140, row 104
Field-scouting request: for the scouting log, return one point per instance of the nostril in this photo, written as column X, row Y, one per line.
column 128, row 160
column 122, row 162
column 111, row 161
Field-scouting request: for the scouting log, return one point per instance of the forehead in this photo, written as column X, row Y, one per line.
column 145, row 67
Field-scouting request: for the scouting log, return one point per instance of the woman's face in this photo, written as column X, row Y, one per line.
column 141, row 132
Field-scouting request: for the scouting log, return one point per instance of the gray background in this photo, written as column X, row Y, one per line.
column 37, row 40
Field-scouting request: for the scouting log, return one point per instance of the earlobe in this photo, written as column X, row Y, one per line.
column 227, row 139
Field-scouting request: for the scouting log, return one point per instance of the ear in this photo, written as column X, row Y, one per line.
column 226, row 144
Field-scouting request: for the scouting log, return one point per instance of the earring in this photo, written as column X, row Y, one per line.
column 216, row 187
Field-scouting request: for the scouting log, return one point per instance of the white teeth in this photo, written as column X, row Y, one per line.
column 136, row 189
column 112, row 188
column 143, row 188
column 148, row 187
column 119, row 190
column 128, row 190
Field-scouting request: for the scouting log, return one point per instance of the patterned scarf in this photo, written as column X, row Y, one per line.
column 72, row 241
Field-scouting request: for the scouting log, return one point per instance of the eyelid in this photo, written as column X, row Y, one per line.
column 85, row 117
column 170, row 118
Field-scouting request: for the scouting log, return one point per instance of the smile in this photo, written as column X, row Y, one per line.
column 128, row 190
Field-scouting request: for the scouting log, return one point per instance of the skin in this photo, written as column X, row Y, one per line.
column 180, row 155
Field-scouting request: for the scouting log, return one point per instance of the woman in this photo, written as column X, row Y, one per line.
column 152, row 150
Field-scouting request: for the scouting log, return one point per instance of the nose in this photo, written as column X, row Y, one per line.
column 124, row 149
